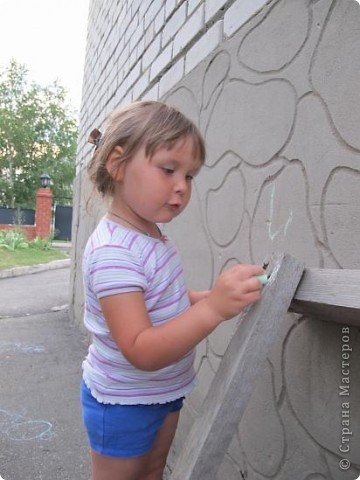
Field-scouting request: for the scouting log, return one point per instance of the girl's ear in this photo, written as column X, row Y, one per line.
column 114, row 164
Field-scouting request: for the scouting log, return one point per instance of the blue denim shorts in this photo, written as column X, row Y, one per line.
column 123, row 430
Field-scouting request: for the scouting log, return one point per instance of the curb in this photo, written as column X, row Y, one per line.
column 29, row 270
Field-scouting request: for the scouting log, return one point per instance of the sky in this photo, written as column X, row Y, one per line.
column 49, row 37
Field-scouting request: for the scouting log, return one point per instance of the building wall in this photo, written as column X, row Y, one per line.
column 274, row 87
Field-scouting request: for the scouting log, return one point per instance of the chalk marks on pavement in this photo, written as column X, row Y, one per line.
column 7, row 347
column 20, row 428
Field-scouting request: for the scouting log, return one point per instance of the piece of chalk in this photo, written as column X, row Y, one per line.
column 263, row 278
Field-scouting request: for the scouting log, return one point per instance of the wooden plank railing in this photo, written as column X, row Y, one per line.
column 333, row 295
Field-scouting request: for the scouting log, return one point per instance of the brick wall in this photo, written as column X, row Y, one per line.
column 43, row 217
column 43, row 213
column 29, row 230
column 142, row 48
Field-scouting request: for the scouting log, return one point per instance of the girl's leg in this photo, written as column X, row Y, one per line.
column 146, row 467
column 159, row 452
column 111, row 468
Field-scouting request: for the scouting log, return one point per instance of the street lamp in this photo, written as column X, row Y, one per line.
column 45, row 180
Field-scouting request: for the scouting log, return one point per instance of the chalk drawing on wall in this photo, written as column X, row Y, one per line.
column 282, row 228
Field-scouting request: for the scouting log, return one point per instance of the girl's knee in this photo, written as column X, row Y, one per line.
column 109, row 468
column 154, row 471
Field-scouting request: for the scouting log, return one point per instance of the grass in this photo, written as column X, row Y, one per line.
column 27, row 257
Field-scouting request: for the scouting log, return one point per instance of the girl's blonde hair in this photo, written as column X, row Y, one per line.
column 147, row 124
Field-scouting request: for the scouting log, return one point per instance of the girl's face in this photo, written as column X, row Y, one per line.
column 155, row 190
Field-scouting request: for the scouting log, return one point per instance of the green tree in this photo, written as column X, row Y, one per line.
column 38, row 133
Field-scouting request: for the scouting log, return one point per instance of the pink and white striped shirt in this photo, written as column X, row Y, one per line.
column 119, row 260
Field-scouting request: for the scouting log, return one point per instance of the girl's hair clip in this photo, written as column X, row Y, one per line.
column 95, row 137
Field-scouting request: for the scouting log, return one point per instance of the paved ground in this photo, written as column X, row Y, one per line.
column 41, row 435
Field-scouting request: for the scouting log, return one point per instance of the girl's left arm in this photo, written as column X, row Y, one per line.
column 196, row 296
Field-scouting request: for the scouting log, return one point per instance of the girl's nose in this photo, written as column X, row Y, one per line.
column 181, row 186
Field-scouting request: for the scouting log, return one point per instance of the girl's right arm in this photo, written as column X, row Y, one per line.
column 150, row 347
column 196, row 296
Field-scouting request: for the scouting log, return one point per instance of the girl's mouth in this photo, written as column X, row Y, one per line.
column 174, row 206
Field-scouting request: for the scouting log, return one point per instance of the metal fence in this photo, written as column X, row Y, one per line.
column 16, row 216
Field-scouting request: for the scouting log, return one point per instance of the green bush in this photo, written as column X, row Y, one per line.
column 13, row 240
column 41, row 243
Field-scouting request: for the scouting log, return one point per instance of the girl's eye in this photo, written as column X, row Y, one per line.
column 168, row 171
column 189, row 178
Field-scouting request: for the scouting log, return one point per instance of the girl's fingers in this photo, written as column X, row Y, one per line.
column 253, row 284
column 251, row 297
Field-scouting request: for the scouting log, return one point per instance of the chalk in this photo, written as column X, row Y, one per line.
column 263, row 278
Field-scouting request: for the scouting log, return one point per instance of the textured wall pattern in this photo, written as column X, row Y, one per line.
column 279, row 105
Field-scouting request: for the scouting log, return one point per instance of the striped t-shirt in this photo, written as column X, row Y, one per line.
column 119, row 260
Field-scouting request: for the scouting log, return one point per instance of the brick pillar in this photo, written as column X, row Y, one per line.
column 44, row 198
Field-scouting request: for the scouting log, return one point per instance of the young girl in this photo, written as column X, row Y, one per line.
column 143, row 321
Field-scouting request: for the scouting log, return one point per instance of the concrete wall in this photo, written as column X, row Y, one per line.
column 274, row 87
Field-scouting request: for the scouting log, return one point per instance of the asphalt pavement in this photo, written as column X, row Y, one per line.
column 41, row 433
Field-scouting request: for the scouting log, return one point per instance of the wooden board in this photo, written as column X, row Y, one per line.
column 332, row 295
column 235, row 379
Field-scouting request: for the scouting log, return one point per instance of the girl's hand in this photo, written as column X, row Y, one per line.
column 196, row 296
column 234, row 290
